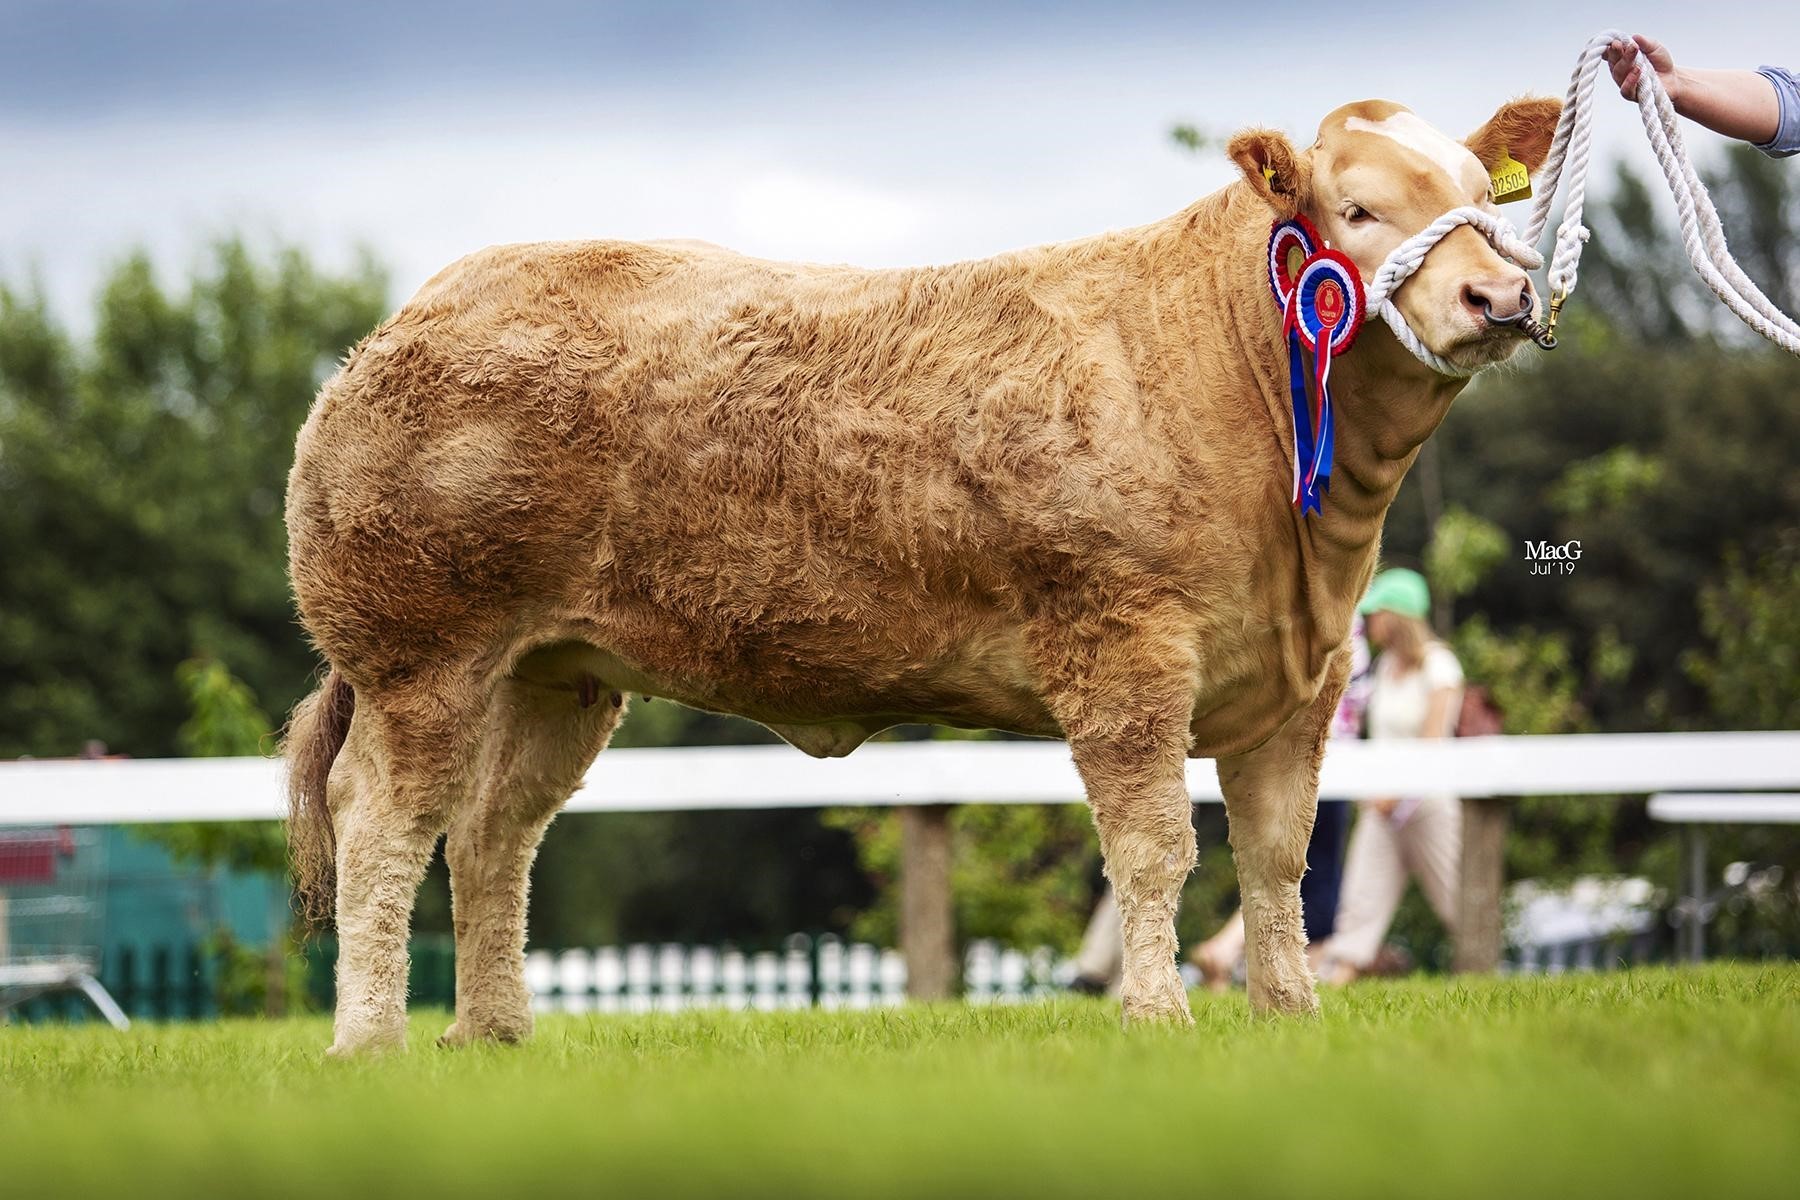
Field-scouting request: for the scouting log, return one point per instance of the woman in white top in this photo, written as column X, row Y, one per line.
column 1417, row 693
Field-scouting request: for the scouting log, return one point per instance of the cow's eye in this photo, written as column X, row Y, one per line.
column 1356, row 214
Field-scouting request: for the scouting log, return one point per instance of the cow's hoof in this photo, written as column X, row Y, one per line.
column 343, row 1049
column 361, row 1037
column 1293, row 1000
column 1170, row 1018
column 508, row 1033
column 1159, row 1008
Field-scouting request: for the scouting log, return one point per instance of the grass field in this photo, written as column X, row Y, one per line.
column 1647, row 1083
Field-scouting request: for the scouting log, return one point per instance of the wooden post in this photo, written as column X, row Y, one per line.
column 1693, row 948
column 927, row 928
column 1478, row 917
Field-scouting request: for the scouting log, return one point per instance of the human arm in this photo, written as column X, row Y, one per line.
column 1440, row 716
column 1746, row 105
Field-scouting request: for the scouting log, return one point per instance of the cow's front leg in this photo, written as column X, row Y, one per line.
column 1136, row 781
column 1271, row 797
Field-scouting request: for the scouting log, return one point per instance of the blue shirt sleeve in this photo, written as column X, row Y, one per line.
column 1787, row 91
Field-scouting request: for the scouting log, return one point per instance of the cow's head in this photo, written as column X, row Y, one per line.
column 1377, row 175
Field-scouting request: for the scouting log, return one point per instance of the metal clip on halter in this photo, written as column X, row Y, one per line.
column 1556, row 302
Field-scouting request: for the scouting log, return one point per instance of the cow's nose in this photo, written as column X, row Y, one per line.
column 1499, row 297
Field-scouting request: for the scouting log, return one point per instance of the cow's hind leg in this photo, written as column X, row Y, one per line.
column 1271, row 798
column 408, row 758
column 540, row 740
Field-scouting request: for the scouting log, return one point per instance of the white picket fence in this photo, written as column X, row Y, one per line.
column 1593, row 925
column 825, row 973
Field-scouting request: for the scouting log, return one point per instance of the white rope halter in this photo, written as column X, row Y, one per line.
column 1701, row 233
column 1409, row 256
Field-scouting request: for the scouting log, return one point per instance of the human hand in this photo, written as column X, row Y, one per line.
column 1622, row 57
column 1384, row 806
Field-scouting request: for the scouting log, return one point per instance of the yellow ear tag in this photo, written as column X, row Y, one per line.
column 1510, row 180
column 1269, row 175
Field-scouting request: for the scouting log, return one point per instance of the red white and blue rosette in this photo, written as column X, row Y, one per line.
column 1328, row 308
column 1329, row 293
column 1291, row 243
column 1322, row 309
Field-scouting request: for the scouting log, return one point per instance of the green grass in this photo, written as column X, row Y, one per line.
column 1646, row 1083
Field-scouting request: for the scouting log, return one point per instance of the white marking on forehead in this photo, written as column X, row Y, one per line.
column 1417, row 135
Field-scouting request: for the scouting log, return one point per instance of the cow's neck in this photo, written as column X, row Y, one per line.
column 1387, row 403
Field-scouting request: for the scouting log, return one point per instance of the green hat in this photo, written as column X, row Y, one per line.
column 1398, row 591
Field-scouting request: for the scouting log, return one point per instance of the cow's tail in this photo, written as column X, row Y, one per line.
column 315, row 733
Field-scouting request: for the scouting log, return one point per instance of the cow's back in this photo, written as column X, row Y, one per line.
column 820, row 462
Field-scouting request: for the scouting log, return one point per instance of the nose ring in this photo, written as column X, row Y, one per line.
column 1529, row 325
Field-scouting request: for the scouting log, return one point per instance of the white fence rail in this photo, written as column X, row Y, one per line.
column 129, row 791
column 929, row 777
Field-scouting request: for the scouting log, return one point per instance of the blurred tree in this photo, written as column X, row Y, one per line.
column 1019, row 873
column 1658, row 437
column 141, row 479
column 1658, row 459
column 1463, row 548
column 1752, row 671
column 1189, row 137
column 223, row 721
column 223, row 717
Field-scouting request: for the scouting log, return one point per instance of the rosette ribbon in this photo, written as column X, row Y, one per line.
column 1320, row 294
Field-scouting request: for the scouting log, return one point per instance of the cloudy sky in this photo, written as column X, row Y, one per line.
column 879, row 134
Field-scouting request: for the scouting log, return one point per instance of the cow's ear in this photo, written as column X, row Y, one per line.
column 1522, row 128
column 1279, row 173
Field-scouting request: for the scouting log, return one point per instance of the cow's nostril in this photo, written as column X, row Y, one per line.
column 1474, row 299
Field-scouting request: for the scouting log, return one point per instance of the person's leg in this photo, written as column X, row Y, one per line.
column 1324, row 870
column 1374, row 881
column 1431, row 846
column 1218, row 956
column 1102, row 947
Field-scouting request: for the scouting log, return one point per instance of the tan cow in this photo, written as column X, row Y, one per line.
column 1046, row 492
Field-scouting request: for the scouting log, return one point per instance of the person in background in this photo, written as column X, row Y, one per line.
column 1761, row 107
column 1098, row 961
column 1416, row 693
column 1220, row 956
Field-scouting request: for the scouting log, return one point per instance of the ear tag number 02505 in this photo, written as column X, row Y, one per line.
column 1510, row 179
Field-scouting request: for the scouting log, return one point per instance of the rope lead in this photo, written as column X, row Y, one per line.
column 1703, row 236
